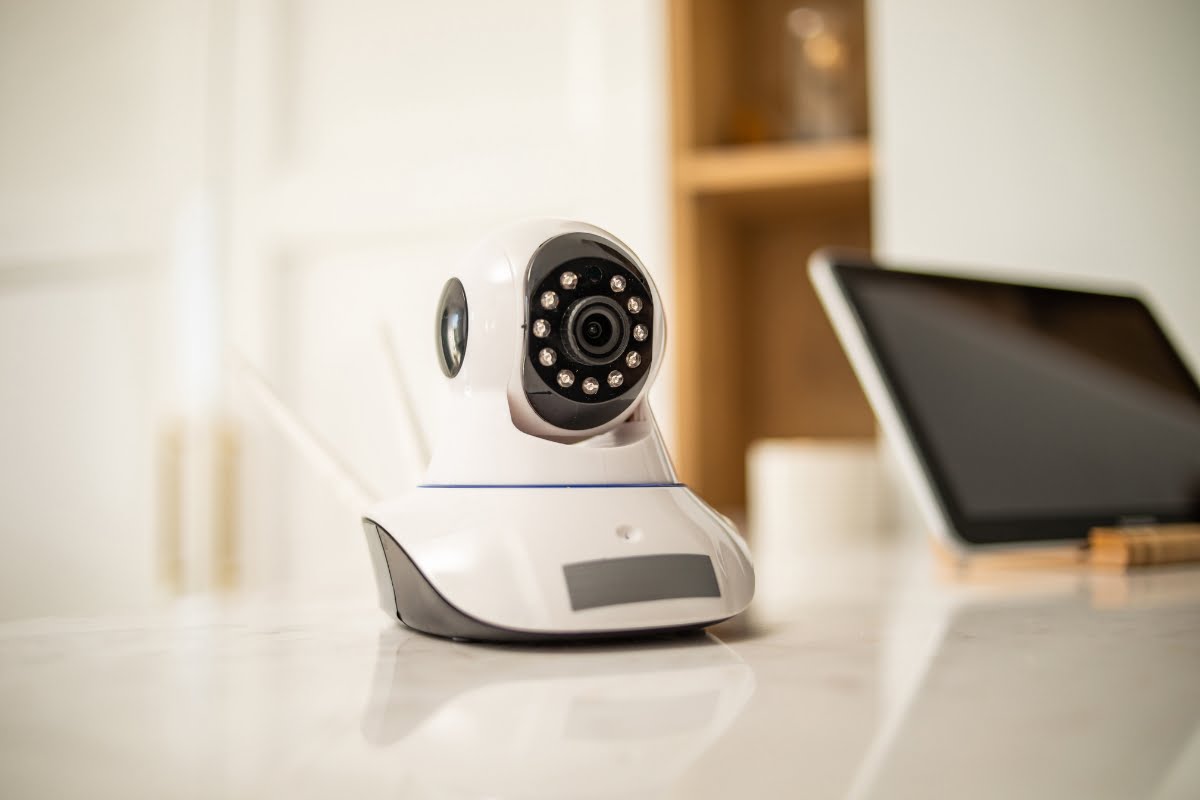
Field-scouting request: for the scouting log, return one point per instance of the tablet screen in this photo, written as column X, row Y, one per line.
column 1038, row 413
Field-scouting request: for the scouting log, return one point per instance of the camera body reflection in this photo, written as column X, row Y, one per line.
column 590, row 721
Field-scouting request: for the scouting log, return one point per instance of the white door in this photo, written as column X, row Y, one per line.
column 101, row 153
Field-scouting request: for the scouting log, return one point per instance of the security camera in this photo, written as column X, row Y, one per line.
column 550, row 508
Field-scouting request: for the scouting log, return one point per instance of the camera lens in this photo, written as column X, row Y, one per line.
column 596, row 330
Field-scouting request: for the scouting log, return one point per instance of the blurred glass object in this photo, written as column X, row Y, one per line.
column 798, row 71
column 817, row 74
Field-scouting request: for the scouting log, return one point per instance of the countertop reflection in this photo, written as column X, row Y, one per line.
column 866, row 676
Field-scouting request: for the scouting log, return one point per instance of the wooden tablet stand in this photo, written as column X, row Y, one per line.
column 1144, row 545
column 1118, row 548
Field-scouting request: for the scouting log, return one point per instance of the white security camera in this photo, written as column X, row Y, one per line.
column 550, row 508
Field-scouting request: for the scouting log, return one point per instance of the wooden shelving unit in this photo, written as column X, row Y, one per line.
column 756, row 355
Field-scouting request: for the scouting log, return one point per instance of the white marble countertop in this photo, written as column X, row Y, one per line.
column 877, row 679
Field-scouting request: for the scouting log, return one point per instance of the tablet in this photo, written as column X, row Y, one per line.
column 1021, row 413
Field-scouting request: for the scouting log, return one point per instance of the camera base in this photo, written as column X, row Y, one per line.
column 521, row 564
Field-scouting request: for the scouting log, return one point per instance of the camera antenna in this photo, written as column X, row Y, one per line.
column 348, row 484
column 404, row 397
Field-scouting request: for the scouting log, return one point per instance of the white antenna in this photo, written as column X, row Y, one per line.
column 407, row 407
column 348, row 484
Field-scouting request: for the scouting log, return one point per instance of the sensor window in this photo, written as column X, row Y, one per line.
column 637, row 579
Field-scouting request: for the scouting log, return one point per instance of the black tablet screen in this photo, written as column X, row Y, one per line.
column 1038, row 412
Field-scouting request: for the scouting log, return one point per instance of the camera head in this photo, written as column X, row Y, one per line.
column 562, row 315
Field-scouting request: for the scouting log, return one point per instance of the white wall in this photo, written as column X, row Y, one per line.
column 287, row 178
column 1059, row 136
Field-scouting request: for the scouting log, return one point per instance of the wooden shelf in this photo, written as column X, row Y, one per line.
column 749, row 168
column 755, row 354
